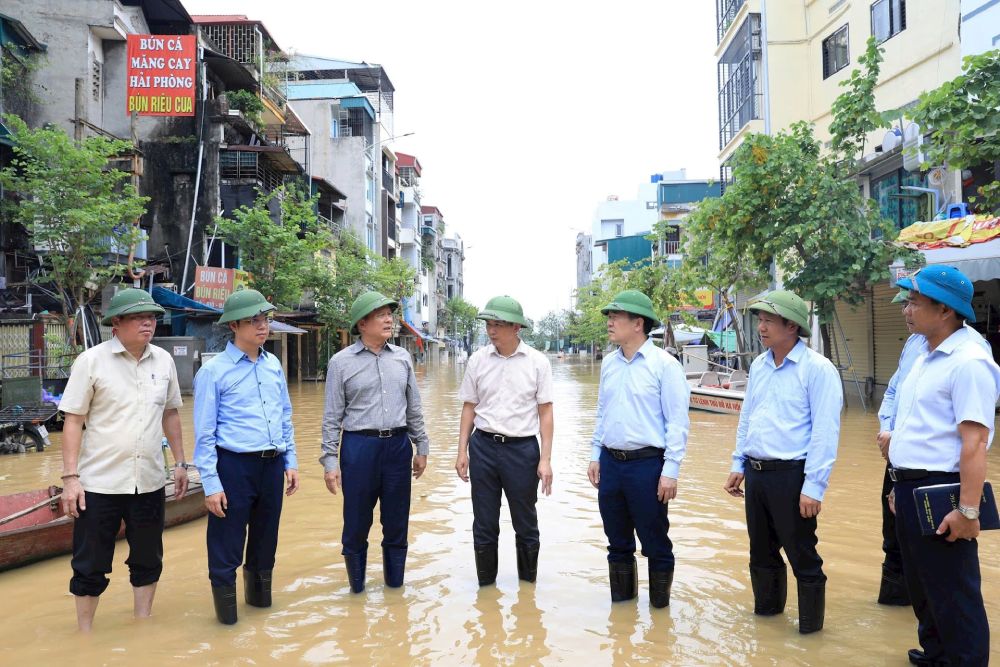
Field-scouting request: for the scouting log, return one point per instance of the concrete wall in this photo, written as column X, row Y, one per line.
column 980, row 26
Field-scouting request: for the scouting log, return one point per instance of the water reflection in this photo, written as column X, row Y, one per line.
column 442, row 617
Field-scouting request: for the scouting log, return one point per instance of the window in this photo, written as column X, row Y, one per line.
column 900, row 206
column 619, row 229
column 888, row 19
column 836, row 54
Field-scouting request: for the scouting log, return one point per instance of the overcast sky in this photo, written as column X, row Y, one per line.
column 526, row 114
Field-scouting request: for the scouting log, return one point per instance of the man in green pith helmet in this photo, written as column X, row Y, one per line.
column 638, row 445
column 371, row 423
column 245, row 452
column 507, row 397
column 786, row 445
column 126, row 393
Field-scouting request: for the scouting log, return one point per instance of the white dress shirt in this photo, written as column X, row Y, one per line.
column 507, row 390
column 957, row 382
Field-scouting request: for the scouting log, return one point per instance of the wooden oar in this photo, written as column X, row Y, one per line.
column 37, row 506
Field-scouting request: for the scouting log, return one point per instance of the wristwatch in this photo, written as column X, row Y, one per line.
column 970, row 513
column 182, row 464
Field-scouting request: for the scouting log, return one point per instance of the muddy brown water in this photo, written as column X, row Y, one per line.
column 441, row 617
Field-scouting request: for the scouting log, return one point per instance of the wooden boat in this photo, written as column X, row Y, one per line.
column 33, row 526
column 718, row 392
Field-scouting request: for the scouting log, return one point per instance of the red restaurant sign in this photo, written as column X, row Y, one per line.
column 212, row 285
column 161, row 75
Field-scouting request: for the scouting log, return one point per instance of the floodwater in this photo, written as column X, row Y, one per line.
column 441, row 617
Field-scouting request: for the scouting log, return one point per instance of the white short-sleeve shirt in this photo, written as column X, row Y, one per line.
column 123, row 401
column 957, row 382
column 507, row 390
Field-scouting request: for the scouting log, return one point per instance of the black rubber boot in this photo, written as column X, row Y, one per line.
column 624, row 580
column 486, row 565
column 918, row 657
column 770, row 590
column 893, row 589
column 812, row 606
column 257, row 587
column 527, row 562
column 356, row 571
column 659, row 587
column 225, row 604
column 393, row 566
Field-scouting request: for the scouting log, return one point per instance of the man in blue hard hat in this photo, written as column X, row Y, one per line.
column 945, row 413
column 371, row 423
column 245, row 452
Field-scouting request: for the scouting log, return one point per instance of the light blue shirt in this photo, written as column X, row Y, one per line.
column 792, row 412
column 911, row 350
column 643, row 402
column 957, row 382
column 241, row 406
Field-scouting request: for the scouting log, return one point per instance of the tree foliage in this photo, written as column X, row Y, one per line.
column 961, row 117
column 462, row 317
column 76, row 208
column 278, row 238
column 796, row 208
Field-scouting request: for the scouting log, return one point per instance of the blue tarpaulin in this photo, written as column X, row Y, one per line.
column 178, row 302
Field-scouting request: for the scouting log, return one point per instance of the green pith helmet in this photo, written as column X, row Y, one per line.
column 503, row 309
column 244, row 304
column 366, row 304
column 130, row 301
column 785, row 304
column 632, row 301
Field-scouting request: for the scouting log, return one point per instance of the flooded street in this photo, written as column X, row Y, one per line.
column 441, row 616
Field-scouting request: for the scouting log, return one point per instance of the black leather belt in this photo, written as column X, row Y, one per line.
column 633, row 454
column 764, row 466
column 381, row 433
column 504, row 439
column 910, row 474
column 260, row 454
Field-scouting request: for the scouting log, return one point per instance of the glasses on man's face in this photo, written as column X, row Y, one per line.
column 259, row 321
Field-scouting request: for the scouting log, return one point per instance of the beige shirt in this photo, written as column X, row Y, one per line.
column 507, row 390
column 123, row 401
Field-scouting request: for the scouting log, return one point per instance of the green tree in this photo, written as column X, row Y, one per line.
column 589, row 326
column 337, row 282
column 462, row 317
column 278, row 253
column 76, row 208
column 795, row 207
column 394, row 278
column 961, row 116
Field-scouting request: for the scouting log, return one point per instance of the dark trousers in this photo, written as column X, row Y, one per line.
column 893, row 561
column 95, row 533
column 254, row 493
column 944, row 584
column 627, row 499
column 374, row 470
column 774, row 522
column 511, row 469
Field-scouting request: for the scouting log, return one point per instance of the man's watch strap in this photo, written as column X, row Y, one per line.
column 182, row 464
column 970, row 513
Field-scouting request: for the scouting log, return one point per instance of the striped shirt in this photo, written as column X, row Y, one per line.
column 365, row 391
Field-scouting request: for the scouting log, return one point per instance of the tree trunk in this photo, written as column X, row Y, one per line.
column 826, row 336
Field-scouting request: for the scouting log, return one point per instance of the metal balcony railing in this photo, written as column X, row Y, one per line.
column 739, row 97
column 725, row 13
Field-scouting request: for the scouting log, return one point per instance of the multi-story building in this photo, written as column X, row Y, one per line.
column 781, row 61
column 415, row 308
column 980, row 26
column 353, row 103
column 454, row 257
column 432, row 283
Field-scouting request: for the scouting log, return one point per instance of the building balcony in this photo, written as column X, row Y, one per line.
column 740, row 86
column 725, row 14
column 407, row 236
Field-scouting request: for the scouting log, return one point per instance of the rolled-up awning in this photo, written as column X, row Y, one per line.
column 413, row 331
column 979, row 261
